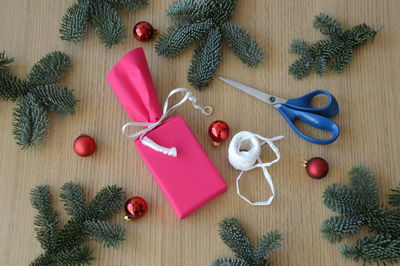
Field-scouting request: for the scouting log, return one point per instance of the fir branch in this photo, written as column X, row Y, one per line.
column 384, row 220
column 42, row 260
column 327, row 25
column 56, row 98
column 208, row 22
column 102, row 15
column 205, row 60
column 41, row 198
column 360, row 34
column 79, row 255
column 47, row 229
column 358, row 206
column 342, row 60
column 338, row 227
column 49, row 69
column 299, row 47
column 11, row 87
column 74, row 23
column 267, row 244
column 234, row 236
column 191, row 10
column 363, row 184
column 37, row 96
column 229, row 262
column 71, row 234
column 128, row 5
column 376, row 248
column 74, row 203
column 110, row 235
column 107, row 201
column 109, row 27
column 242, row 44
column 65, row 246
column 341, row 199
column 394, row 198
column 223, row 10
column 4, row 62
column 337, row 49
column 181, row 36
column 30, row 122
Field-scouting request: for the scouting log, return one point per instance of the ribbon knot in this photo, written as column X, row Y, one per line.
column 244, row 155
column 187, row 95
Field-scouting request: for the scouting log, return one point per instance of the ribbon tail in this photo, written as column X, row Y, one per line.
column 151, row 144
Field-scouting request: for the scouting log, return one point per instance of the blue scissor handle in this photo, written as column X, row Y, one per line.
column 303, row 103
column 314, row 120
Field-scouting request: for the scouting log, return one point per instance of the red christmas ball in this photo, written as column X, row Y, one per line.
column 84, row 145
column 218, row 131
column 143, row 31
column 135, row 207
column 317, row 167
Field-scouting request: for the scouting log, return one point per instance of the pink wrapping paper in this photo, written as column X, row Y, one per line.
column 188, row 181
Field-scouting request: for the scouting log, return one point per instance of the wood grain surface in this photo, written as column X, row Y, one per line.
column 368, row 93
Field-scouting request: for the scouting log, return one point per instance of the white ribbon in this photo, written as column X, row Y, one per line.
column 244, row 154
column 187, row 95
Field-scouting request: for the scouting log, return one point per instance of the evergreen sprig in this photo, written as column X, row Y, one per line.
column 36, row 96
column 65, row 246
column 208, row 22
column 235, row 237
column 103, row 16
column 336, row 50
column 358, row 205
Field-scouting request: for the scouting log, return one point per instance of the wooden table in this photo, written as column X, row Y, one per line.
column 368, row 93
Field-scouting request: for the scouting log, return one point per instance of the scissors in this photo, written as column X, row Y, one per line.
column 299, row 108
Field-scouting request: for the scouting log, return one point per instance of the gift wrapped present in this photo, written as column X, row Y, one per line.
column 174, row 156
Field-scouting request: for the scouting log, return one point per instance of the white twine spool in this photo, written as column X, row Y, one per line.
column 244, row 155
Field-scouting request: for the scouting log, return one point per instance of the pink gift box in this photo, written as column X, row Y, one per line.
column 188, row 180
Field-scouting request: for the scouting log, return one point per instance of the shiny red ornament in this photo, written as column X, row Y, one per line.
column 317, row 167
column 84, row 145
column 143, row 31
column 218, row 131
column 135, row 207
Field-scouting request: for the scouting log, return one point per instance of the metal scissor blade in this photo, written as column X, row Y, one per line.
column 263, row 96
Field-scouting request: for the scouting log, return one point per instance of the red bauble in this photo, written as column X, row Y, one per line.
column 84, row 145
column 135, row 207
column 143, row 31
column 218, row 131
column 317, row 167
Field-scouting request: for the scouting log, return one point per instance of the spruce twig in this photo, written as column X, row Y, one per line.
column 65, row 246
column 358, row 206
column 234, row 236
column 36, row 96
column 208, row 22
column 102, row 15
column 336, row 51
